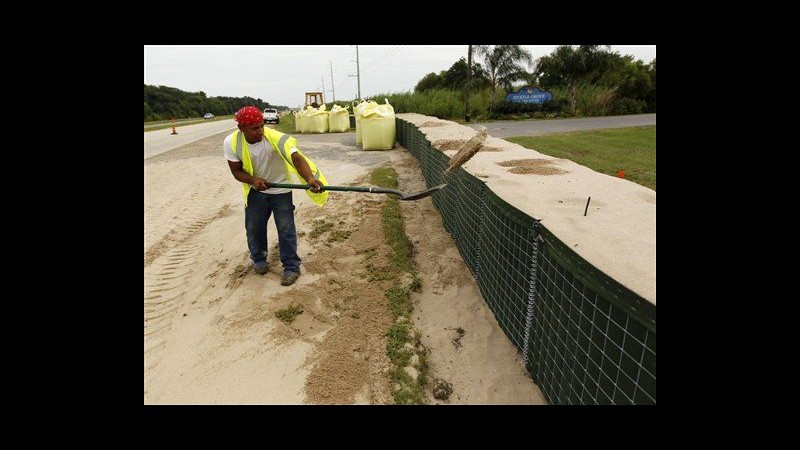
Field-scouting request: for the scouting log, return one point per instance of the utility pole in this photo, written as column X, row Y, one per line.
column 333, row 91
column 469, row 76
column 358, row 72
column 323, row 85
column 357, row 75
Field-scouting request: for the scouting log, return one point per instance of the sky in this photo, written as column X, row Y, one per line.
column 282, row 74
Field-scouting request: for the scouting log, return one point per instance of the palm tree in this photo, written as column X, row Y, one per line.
column 503, row 64
column 574, row 65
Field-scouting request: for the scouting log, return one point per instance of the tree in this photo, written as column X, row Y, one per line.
column 503, row 66
column 428, row 82
column 455, row 77
column 571, row 65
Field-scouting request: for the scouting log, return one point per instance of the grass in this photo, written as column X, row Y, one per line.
column 160, row 125
column 319, row 227
column 393, row 221
column 286, row 124
column 401, row 332
column 288, row 314
column 630, row 149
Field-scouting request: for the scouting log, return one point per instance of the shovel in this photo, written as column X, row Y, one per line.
column 370, row 189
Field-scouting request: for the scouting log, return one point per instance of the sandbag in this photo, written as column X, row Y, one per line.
column 358, row 112
column 316, row 120
column 339, row 119
column 297, row 119
column 378, row 127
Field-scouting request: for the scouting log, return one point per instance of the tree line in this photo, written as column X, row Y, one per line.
column 163, row 103
column 598, row 79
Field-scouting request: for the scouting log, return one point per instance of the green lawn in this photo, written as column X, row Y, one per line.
column 287, row 123
column 606, row 151
column 161, row 124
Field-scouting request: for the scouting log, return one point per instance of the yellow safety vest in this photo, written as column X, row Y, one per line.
column 282, row 144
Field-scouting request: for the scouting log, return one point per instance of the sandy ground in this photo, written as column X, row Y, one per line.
column 211, row 335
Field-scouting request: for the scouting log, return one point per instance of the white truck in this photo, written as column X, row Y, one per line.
column 271, row 115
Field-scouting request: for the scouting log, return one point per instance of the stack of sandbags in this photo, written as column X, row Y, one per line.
column 378, row 127
column 339, row 119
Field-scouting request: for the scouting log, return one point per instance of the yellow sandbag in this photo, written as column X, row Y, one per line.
column 317, row 120
column 358, row 110
column 378, row 127
column 302, row 121
column 339, row 119
column 297, row 118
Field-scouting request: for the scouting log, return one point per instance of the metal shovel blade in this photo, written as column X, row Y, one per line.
column 421, row 194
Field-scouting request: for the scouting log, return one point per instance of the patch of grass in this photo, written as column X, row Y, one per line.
column 319, row 227
column 288, row 314
column 398, row 335
column 395, row 233
column 287, row 124
column 161, row 124
column 408, row 390
column 630, row 149
column 384, row 177
column 339, row 236
column 392, row 220
column 399, row 301
column 416, row 284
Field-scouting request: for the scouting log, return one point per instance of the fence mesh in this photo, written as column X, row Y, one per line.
column 585, row 338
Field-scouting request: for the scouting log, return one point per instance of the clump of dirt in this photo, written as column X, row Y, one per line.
column 235, row 277
column 531, row 166
column 441, row 389
column 459, row 334
column 491, row 149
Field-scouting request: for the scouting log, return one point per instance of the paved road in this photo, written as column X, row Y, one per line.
column 160, row 141
column 507, row 128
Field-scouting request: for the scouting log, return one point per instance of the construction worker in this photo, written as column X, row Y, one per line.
column 258, row 156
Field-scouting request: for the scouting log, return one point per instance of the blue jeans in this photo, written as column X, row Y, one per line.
column 259, row 207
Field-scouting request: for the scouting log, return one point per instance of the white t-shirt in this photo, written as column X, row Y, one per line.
column 267, row 163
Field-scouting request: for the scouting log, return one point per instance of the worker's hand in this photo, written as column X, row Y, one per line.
column 316, row 186
column 260, row 184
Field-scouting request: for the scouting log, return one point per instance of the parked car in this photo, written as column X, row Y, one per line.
column 271, row 115
column 208, row 116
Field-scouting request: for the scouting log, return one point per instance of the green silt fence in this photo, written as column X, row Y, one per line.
column 585, row 338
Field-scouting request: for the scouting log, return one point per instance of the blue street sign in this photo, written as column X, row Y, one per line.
column 529, row 94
